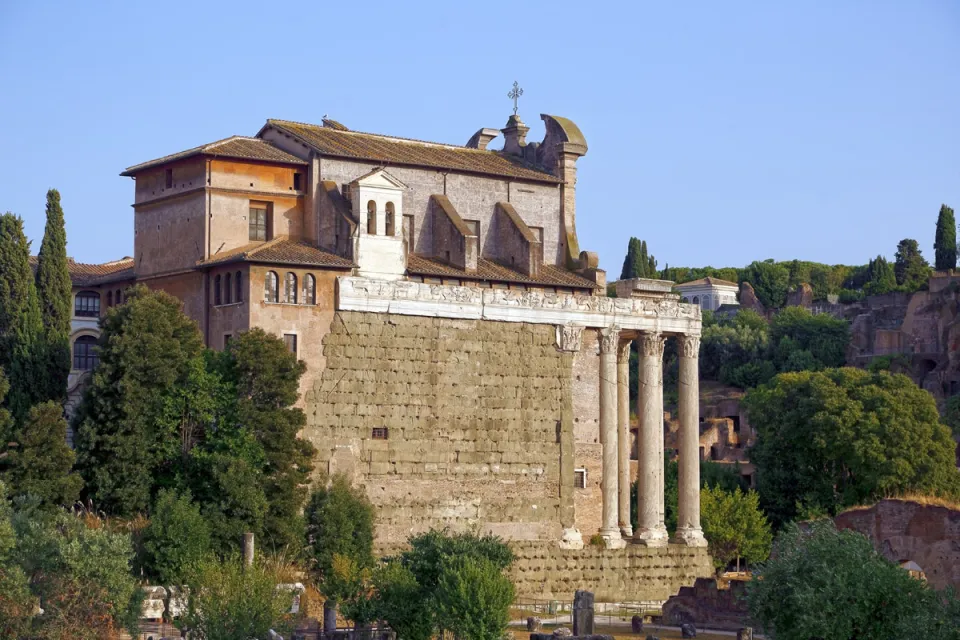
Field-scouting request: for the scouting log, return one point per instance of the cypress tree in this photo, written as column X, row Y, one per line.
column 945, row 241
column 54, row 291
column 628, row 260
column 21, row 327
column 644, row 261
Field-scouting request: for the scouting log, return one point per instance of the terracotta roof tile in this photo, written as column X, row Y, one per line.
column 239, row 147
column 550, row 275
column 709, row 280
column 331, row 141
column 280, row 251
column 85, row 275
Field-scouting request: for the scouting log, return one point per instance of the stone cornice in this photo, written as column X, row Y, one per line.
column 404, row 297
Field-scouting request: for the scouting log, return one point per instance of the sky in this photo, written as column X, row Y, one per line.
column 719, row 132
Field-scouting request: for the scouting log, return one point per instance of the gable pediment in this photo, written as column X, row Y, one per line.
column 380, row 179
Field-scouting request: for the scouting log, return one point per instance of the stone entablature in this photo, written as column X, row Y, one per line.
column 666, row 315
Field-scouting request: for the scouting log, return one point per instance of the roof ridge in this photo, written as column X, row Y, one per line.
column 381, row 135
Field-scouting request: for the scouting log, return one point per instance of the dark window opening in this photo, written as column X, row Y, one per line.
column 297, row 182
column 87, row 304
column 85, row 355
column 736, row 423
column 168, row 178
column 380, row 433
column 109, row 298
column 579, row 478
column 258, row 223
column 226, row 339
column 216, row 291
column 228, row 288
column 290, row 339
column 239, row 284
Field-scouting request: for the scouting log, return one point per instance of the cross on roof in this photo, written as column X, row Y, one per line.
column 515, row 94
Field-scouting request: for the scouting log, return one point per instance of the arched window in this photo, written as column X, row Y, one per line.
column 270, row 288
column 216, row 290
column 309, row 289
column 228, row 288
column 290, row 288
column 696, row 299
column 85, row 355
column 238, row 283
column 391, row 229
column 87, row 304
column 109, row 298
column 119, row 297
column 372, row 218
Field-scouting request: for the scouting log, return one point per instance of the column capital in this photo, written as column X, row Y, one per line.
column 623, row 351
column 689, row 345
column 651, row 344
column 569, row 337
column 609, row 338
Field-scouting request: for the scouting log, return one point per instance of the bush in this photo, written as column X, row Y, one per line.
column 176, row 537
column 399, row 602
column 824, row 583
column 473, row 599
column 734, row 526
column 229, row 601
column 951, row 415
column 849, row 296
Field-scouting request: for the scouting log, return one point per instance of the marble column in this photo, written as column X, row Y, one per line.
column 623, row 441
column 688, row 511
column 651, row 530
column 610, row 531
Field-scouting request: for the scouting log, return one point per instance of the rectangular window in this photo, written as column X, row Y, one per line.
column 297, row 181
column 290, row 339
column 87, row 304
column 258, row 222
column 579, row 478
column 380, row 433
column 168, row 178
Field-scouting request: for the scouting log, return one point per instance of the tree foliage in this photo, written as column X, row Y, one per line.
column 40, row 463
column 54, row 292
column 473, row 598
column 839, row 437
column 21, row 326
column 910, row 267
column 824, row 583
column 128, row 437
column 881, row 277
column 770, row 282
column 176, row 539
column 638, row 263
column 17, row 604
column 945, row 241
column 734, row 526
column 396, row 588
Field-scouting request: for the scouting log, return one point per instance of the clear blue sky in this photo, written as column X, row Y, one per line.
column 720, row 132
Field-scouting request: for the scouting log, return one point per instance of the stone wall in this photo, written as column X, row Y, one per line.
column 542, row 571
column 478, row 417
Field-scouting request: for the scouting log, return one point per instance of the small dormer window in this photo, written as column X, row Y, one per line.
column 372, row 218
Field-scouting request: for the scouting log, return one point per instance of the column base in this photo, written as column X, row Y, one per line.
column 626, row 532
column 689, row 538
column 571, row 539
column 656, row 537
column 612, row 539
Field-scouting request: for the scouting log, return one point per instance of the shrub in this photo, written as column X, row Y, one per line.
column 473, row 599
column 400, row 604
column 176, row 537
column 734, row 526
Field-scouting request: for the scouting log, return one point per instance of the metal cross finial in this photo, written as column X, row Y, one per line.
column 515, row 94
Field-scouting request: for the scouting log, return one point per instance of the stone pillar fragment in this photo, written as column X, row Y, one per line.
column 651, row 530
column 609, row 429
column 623, row 440
column 688, row 511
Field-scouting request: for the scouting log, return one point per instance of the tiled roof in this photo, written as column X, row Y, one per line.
column 390, row 150
column 280, row 251
column 87, row 275
column 709, row 281
column 240, row 147
column 550, row 275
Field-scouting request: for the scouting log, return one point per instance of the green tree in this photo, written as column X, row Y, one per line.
column 734, row 526
column 396, row 587
column 17, row 604
column 266, row 378
column 41, row 463
column 54, row 291
column 473, row 599
column 910, row 267
column 770, row 282
column 797, row 329
column 229, row 601
column 176, row 538
column 945, row 242
column 82, row 576
column 21, row 326
column 881, row 277
column 951, row 415
column 128, row 438
column 631, row 262
column 824, row 583
column 339, row 525
column 229, row 490
column 839, row 437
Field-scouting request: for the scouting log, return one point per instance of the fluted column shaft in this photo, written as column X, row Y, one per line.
column 688, row 511
column 651, row 529
column 609, row 529
column 623, row 442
